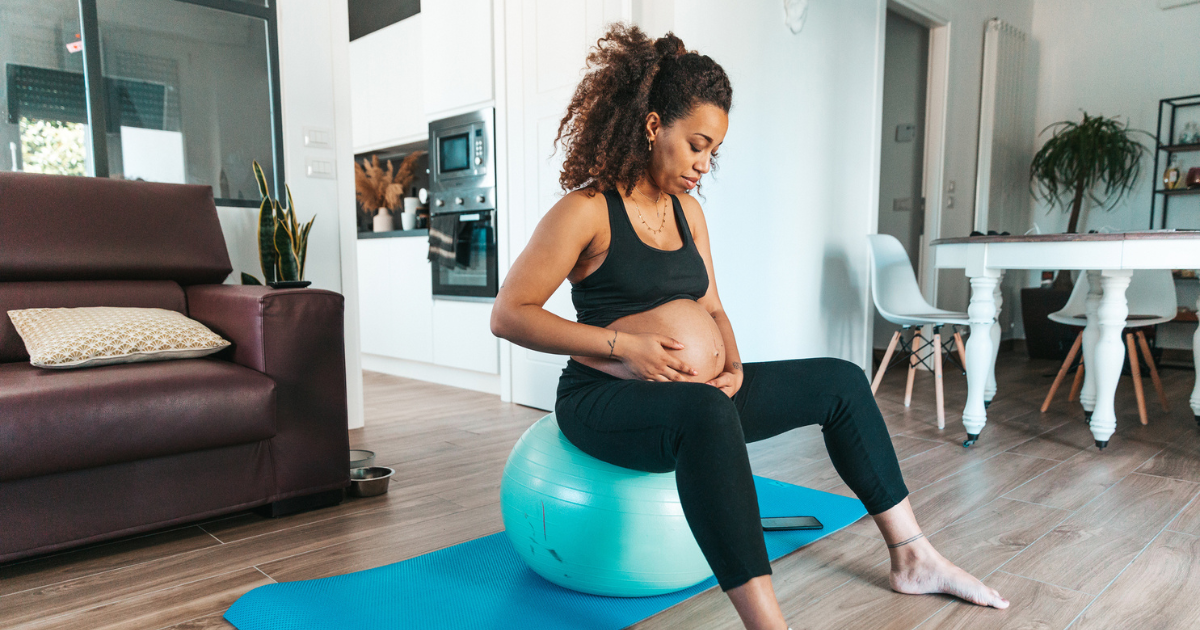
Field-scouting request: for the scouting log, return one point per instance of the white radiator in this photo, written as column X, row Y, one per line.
column 1006, row 119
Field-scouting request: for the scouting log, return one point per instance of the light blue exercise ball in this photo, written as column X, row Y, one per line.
column 593, row 527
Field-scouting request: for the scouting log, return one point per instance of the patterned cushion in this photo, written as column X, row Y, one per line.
column 103, row 335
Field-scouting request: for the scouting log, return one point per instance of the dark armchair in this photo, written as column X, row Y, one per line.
column 96, row 453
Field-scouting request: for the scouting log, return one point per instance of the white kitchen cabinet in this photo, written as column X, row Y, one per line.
column 401, row 320
column 386, row 106
column 458, row 54
column 395, row 301
column 462, row 336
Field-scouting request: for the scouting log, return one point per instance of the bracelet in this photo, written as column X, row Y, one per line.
column 905, row 542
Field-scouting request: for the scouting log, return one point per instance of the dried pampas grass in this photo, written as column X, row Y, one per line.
column 376, row 187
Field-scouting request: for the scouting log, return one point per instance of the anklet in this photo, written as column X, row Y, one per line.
column 905, row 542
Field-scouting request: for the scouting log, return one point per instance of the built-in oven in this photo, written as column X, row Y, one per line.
column 462, row 249
column 462, row 205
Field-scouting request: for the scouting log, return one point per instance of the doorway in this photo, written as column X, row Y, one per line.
column 902, row 200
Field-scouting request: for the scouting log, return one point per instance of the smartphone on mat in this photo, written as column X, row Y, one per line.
column 775, row 523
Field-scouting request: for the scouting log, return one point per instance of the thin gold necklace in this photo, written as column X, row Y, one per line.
column 662, row 217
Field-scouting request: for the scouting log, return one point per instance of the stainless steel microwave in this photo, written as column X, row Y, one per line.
column 462, row 162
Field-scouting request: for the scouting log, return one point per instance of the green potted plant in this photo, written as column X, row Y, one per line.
column 282, row 242
column 1098, row 158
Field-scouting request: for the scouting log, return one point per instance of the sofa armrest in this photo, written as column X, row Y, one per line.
column 296, row 337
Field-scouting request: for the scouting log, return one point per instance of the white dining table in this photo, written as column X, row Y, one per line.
column 1109, row 260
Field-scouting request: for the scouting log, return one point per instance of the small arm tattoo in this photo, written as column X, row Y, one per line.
column 612, row 345
column 737, row 367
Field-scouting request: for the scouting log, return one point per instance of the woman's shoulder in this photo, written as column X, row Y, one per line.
column 581, row 206
column 576, row 216
column 693, row 213
column 586, row 197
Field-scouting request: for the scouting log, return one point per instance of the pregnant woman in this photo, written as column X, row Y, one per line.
column 654, row 382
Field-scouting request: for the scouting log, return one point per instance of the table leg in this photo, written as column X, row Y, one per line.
column 989, row 392
column 1195, row 401
column 1109, row 353
column 982, row 314
column 1091, row 332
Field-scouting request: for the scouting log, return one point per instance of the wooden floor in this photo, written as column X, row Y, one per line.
column 1073, row 537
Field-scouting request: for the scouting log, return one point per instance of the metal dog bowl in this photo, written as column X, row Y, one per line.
column 368, row 482
column 361, row 459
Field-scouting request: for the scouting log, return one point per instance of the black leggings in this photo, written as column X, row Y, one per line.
column 701, row 434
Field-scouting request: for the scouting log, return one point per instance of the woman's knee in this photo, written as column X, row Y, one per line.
column 707, row 408
column 843, row 374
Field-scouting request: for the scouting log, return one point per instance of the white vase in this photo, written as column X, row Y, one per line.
column 383, row 221
column 408, row 220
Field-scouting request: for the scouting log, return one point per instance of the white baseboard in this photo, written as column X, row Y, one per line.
column 442, row 375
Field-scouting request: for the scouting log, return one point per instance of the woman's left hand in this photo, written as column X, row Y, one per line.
column 728, row 382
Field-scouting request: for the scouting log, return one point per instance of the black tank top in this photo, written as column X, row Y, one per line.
column 636, row 277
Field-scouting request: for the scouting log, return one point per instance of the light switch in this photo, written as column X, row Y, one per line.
column 318, row 138
column 318, row 168
column 902, row 205
column 906, row 132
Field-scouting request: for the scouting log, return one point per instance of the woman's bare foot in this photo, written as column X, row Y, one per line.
column 918, row 568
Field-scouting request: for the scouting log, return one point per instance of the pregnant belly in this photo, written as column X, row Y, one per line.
column 683, row 320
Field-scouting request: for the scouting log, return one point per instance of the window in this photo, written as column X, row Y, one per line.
column 187, row 91
column 43, row 128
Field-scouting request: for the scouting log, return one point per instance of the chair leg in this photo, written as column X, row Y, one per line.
column 912, row 367
column 937, row 377
column 887, row 358
column 1162, row 397
column 1078, row 384
column 962, row 350
column 1062, row 371
column 1137, row 378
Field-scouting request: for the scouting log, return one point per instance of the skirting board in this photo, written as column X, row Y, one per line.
column 440, row 374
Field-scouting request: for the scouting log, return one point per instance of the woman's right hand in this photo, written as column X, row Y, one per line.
column 646, row 356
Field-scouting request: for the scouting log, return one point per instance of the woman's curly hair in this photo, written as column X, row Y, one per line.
column 629, row 76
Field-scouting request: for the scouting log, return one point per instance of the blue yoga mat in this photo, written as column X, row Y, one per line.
column 483, row 585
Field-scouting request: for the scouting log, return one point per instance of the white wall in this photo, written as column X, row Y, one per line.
column 315, row 68
column 800, row 162
column 1116, row 58
column 789, row 210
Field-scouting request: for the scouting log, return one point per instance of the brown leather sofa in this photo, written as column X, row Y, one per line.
column 96, row 453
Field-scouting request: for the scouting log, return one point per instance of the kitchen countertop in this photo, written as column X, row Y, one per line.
column 394, row 233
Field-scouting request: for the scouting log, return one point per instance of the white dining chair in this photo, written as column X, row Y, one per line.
column 1151, row 298
column 898, row 300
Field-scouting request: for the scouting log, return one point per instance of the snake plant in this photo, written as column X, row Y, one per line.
column 282, row 242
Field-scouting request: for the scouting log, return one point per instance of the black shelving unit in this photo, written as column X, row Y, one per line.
column 1168, row 110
